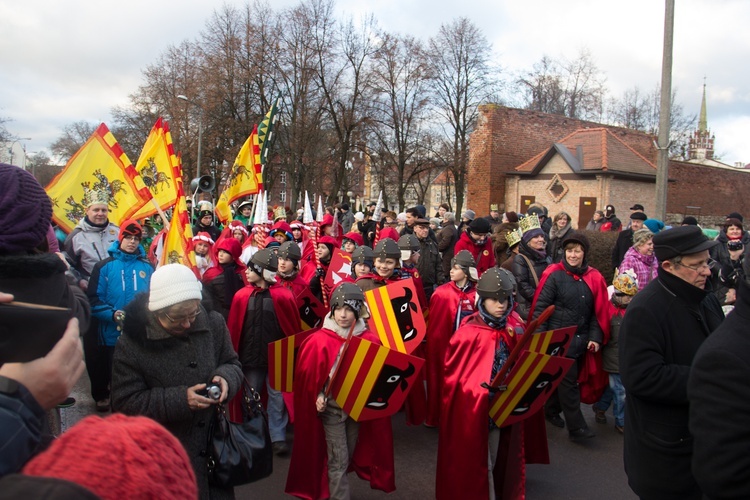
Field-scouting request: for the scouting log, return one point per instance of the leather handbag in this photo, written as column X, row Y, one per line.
column 240, row 453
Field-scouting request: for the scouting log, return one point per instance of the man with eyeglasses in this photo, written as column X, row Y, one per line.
column 113, row 284
column 662, row 330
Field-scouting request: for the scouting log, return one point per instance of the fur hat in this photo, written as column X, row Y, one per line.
column 119, row 457
column 172, row 284
column 25, row 210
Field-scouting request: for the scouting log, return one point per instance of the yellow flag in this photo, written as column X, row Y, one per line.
column 156, row 168
column 101, row 171
column 245, row 178
column 177, row 248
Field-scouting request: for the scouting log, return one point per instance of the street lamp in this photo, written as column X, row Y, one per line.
column 10, row 150
column 200, row 131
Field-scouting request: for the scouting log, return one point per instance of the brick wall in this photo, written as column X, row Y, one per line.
column 506, row 137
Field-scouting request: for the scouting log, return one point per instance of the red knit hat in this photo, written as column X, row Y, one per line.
column 130, row 227
column 119, row 457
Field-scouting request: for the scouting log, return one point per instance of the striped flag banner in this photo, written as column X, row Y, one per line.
column 532, row 380
column 373, row 381
column 282, row 356
column 552, row 342
column 396, row 316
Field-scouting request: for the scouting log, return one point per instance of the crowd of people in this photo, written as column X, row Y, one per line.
column 153, row 338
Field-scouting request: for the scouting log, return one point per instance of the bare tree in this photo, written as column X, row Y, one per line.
column 542, row 87
column 399, row 106
column 74, row 136
column 462, row 79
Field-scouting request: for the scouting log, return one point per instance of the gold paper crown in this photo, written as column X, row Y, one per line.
column 279, row 213
column 626, row 282
column 529, row 222
column 513, row 237
column 95, row 197
column 494, row 206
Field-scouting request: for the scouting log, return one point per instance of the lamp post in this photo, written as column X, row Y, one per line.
column 200, row 132
column 10, row 150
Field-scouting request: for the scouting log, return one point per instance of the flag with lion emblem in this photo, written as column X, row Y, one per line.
column 245, row 177
column 156, row 168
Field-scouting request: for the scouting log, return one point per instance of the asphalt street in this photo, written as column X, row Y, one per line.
column 591, row 470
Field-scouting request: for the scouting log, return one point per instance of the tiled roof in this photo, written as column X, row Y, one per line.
column 600, row 151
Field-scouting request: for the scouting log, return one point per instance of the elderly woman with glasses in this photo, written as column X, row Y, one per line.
column 170, row 348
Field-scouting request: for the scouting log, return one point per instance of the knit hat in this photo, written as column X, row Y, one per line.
column 654, row 225
column 469, row 214
column 480, row 226
column 735, row 215
column 203, row 237
column 119, row 457
column 511, row 216
column 689, row 221
column 130, row 228
column 435, row 221
column 172, row 284
column 359, row 216
column 25, row 210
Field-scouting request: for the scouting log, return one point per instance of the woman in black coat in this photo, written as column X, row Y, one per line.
column 528, row 266
column 579, row 294
column 170, row 348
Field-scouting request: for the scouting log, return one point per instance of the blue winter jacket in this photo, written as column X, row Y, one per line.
column 114, row 282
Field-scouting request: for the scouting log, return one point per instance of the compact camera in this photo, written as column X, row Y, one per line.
column 734, row 245
column 212, row 391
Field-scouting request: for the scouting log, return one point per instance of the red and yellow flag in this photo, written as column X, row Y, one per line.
column 530, row 383
column 177, row 248
column 99, row 170
column 396, row 316
column 552, row 342
column 372, row 380
column 245, row 178
column 156, row 168
column 282, row 357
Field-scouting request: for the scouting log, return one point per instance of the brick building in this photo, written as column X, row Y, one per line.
column 520, row 156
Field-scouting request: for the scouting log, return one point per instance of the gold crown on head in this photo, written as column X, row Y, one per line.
column 513, row 237
column 529, row 222
column 494, row 207
column 96, row 197
column 279, row 213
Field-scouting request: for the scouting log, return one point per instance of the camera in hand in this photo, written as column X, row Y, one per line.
column 734, row 245
column 212, row 391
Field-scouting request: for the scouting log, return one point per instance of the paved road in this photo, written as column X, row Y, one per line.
column 592, row 470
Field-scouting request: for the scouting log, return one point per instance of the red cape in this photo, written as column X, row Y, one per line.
column 440, row 327
column 483, row 255
column 308, row 469
column 592, row 379
column 287, row 314
column 463, row 444
column 296, row 284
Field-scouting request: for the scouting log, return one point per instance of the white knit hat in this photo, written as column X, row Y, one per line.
column 172, row 284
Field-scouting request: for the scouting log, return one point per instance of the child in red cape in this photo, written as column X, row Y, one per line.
column 476, row 459
column 327, row 440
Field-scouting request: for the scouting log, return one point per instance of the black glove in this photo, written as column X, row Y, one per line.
column 320, row 272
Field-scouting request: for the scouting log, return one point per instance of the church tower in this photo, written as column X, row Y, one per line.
column 701, row 144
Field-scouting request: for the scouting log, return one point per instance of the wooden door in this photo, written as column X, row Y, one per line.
column 586, row 209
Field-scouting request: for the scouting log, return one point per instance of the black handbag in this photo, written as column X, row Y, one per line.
column 240, row 453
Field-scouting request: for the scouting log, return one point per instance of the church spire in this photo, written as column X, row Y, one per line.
column 702, row 121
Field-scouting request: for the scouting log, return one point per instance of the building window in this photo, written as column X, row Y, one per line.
column 282, row 179
column 282, row 196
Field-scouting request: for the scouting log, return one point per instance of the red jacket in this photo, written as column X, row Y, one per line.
column 483, row 255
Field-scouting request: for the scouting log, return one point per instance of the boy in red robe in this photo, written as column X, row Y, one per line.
column 449, row 305
column 326, row 438
column 476, row 459
column 289, row 256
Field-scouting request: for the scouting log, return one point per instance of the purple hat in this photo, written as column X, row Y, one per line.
column 25, row 210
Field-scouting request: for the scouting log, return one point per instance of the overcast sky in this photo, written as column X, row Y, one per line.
column 72, row 60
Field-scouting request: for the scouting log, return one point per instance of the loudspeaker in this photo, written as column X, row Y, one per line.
column 203, row 183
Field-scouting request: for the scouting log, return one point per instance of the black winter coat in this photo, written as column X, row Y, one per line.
column 446, row 241
column 524, row 277
column 429, row 264
column 624, row 241
column 259, row 329
column 662, row 330
column 719, row 393
column 152, row 371
column 574, row 305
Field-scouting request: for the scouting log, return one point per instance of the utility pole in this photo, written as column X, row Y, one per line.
column 665, row 110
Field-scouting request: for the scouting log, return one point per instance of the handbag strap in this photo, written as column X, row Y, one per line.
column 531, row 268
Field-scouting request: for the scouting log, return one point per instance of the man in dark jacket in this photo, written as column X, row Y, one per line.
column 665, row 325
column 625, row 238
column 429, row 265
column 718, row 392
column 447, row 238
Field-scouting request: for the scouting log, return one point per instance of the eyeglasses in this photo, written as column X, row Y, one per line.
column 181, row 319
column 131, row 237
column 710, row 264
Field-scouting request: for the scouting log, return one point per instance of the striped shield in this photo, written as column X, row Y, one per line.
column 282, row 356
column 373, row 381
column 552, row 342
column 531, row 381
column 396, row 316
